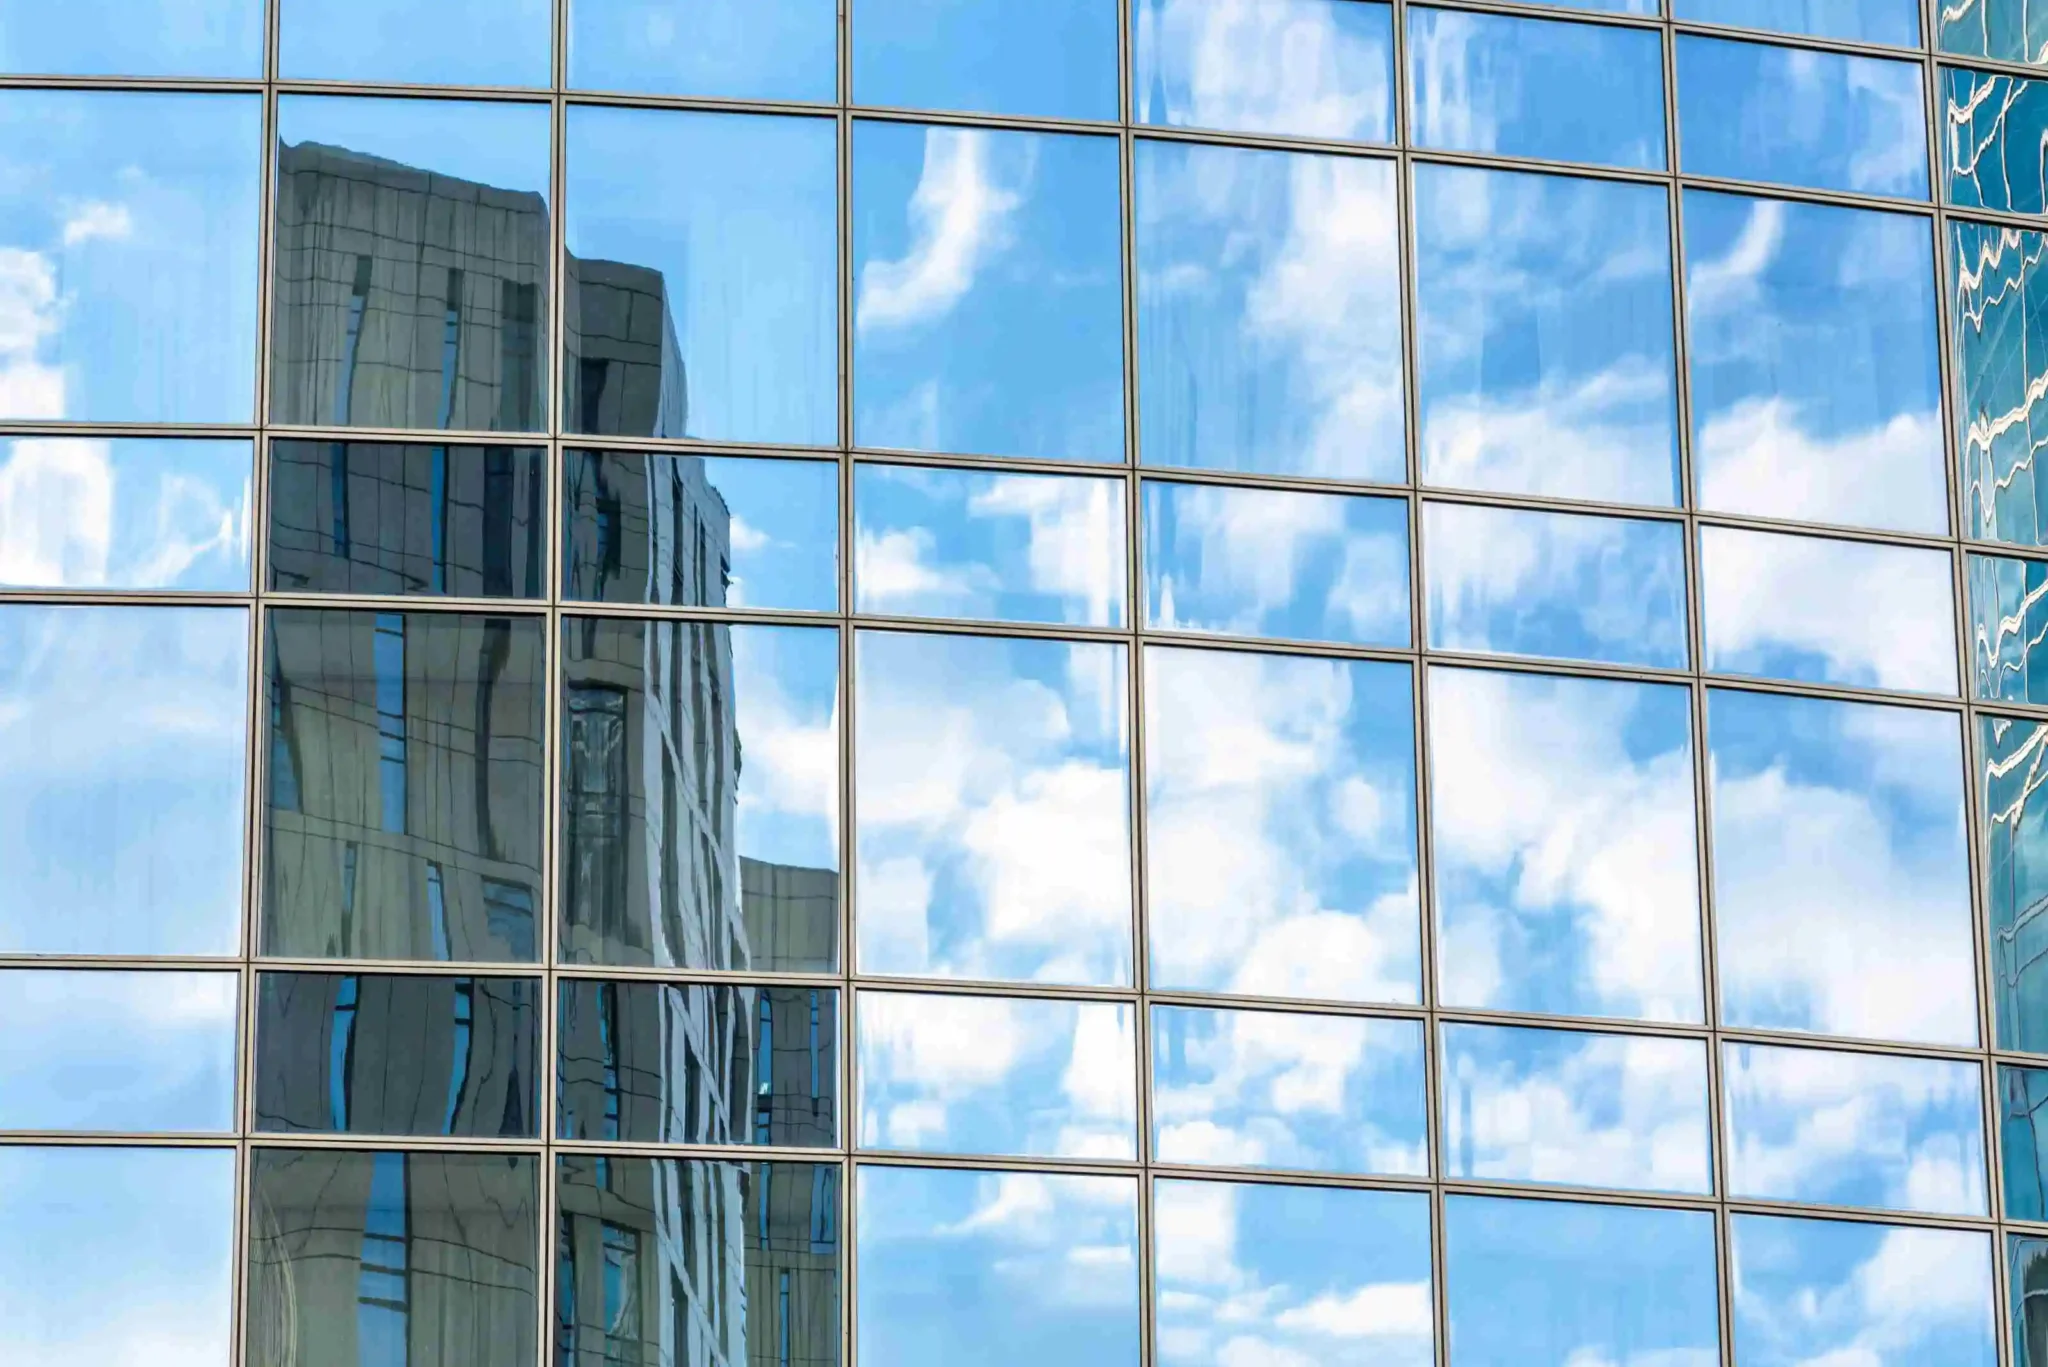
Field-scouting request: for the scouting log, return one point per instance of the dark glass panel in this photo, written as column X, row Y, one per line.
column 2003, row 30
column 1999, row 345
column 2027, row 1270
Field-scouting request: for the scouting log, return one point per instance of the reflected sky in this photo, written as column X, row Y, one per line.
column 786, row 698
column 998, row 547
column 1566, row 856
column 1543, row 305
column 1862, row 21
column 1816, row 384
column 1809, row 1292
column 124, row 513
column 737, row 49
column 135, row 38
column 1290, row 1275
column 2005, row 30
column 449, row 42
column 1643, row 7
column 1576, row 1108
column 1269, row 308
column 1517, row 582
column 135, row 1051
column 1001, row 1269
column 988, row 292
column 1822, row 611
column 978, row 758
column 1992, row 128
column 1280, row 811
column 1999, row 317
column 2022, row 1099
column 1044, row 58
column 2008, row 621
column 128, row 254
column 1312, row 68
column 997, row 1075
column 2014, row 756
column 1271, row 1089
column 1842, row 890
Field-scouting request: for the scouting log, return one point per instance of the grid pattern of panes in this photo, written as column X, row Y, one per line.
column 1394, row 701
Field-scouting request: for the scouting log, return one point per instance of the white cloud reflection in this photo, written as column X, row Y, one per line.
column 1307, row 67
column 959, row 221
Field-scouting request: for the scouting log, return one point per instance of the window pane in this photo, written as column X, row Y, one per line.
column 1515, row 582
column 988, row 292
column 1994, row 126
column 2028, row 1277
column 1566, row 850
column 1514, row 87
column 404, row 803
column 1035, row 1078
column 1271, row 1089
column 1559, row 1282
column 450, row 42
column 2008, row 619
column 1793, row 116
column 117, row 1050
column 1581, row 1109
column 700, row 810
column 1050, row 58
column 2000, row 351
column 393, row 1257
column 2023, row 1134
column 1543, row 308
column 1842, row 889
column 736, row 49
column 1816, row 384
column 703, row 297
column 1001, row 1269
column 1313, row 68
column 696, row 1063
column 123, row 740
column 1269, row 309
column 2003, row 30
column 128, row 253
column 1280, row 801
column 439, row 319
column 2015, row 765
column 1641, row 7
column 974, row 757
column 222, row 38
column 1857, row 21
column 348, row 1053
column 998, row 547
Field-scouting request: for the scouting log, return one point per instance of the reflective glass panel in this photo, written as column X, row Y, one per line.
column 697, row 1063
column 128, row 252
column 997, row 1075
column 1544, row 342
column 700, row 531
column 117, row 1050
column 2023, row 1140
column 1999, row 349
column 2014, row 756
column 1840, row 612
column 1642, row 7
column 403, row 817
column 1855, row 1129
column 1565, row 1284
column 1858, row 21
column 735, row 49
column 362, row 517
column 700, row 795
column 1001, row 1269
column 2003, row 30
column 350, row 1053
column 1794, row 116
column 1816, row 379
column 222, row 38
column 1829, row 1291
column 1567, row 861
column 1280, row 810
column 117, row 1255
column 1581, row 1109
column 629, row 1280
column 1049, row 58
column 1269, row 309
column 1313, row 68
column 1335, row 1275
column 703, row 295
column 393, row 1257
column 2008, row 621
column 2027, row 1273
column 1510, row 581
column 1842, row 889
column 409, row 281
column 988, row 292
column 449, row 42
column 975, row 758
column 1992, row 131
column 998, row 547
column 123, row 741
column 1273, row 1089
column 1513, row 87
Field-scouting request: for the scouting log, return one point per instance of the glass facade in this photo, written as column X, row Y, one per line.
column 1171, row 683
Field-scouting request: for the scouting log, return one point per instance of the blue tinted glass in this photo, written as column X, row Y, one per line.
column 449, row 42
column 1993, row 130
column 1841, row 886
column 1280, row 809
column 1272, row 1089
column 1566, row 857
column 988, row 292
column 134, row 38
column 2008, row 620
column 1543, row 309
column 997, row 1075
column 2015, row 766
column 1513, row 582
column 1049, row 58
column 2023, row 1140
column 128, row 255
column 738, row 49
column 1793, row 116
column 1862, row 21
column 125, row 513
column 1312, row 68
column 1260, row 562
column 1001, row 1269
column 1642, row 7
column 142, row 1051
column 2003, row 30
column 1000, row 547
column 1517, row 88
column 1269, row 311
column 1999, row 348
column 2028, row 1274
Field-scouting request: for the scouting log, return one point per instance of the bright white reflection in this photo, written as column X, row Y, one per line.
column 1313, row 68
column 124, row 513
column 117, row 1050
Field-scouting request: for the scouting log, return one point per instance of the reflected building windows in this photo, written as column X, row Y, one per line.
column 1996, row 315
column 2002, row 30
column 2013, row 756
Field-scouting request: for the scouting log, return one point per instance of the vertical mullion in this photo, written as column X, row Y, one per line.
column 848, row 1023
